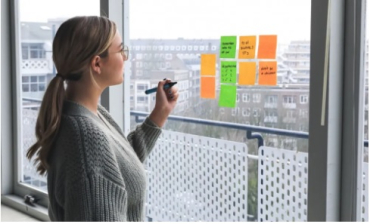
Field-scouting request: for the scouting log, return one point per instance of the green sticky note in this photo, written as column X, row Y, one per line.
column 228, row 47
column 227, row 96
column 228, row 72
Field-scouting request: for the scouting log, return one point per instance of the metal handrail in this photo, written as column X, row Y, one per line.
column 248, row 128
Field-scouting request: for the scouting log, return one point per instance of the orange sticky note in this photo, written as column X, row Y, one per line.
column 208, row 64
column 208, row 87
column 267, row 46
column 247, row 47
column 267, row 75
column 247, row 73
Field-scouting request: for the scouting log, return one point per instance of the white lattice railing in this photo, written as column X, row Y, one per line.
column 282, row 185
column 33, row 66
column 194, row 178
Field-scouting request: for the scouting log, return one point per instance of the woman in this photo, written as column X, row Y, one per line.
column 94, row 172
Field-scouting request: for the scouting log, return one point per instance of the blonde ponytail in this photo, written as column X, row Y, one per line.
column 48, row 122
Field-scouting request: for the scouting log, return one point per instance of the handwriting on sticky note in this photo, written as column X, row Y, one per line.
column 267, row 46
column 267, row 75
column 227, row 96
column 208, row 87
column 247, row 47
column 247, row 73
column 228, row 71
column 228, row 47
column 208, row 64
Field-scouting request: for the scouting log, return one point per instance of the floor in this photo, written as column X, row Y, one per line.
column 9, row 214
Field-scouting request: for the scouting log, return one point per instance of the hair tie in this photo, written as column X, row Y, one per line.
column 60, row 76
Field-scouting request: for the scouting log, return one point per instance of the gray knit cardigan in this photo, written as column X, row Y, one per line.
column 96, row 173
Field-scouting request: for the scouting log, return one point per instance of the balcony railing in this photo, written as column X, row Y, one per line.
column 197, row 178
column 282, row 176
column 36, row 66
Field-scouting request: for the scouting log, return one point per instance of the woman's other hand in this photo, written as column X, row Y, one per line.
column 165, row 102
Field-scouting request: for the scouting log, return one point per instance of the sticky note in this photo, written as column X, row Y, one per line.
column 247, row 47
column 228, row 47
column 267, row 73
column 267, row 46
column 208, row 87
column 247, row 73
column 208, row 64
column 228, row 72
column 227, row 96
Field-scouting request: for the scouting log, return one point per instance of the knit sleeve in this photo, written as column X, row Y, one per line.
column 143, row 138
column 93, row 188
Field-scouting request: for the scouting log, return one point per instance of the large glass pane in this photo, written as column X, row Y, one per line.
column 204, row 166
column 39, row 20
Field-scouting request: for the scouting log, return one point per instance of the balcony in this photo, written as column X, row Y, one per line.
column 289, row 119
column 290, row 105
column 36, row 66
column 270, row 105
column 197, row 178
column 270, row 119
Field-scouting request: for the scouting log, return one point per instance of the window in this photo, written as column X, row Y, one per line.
column 256, row 112
column 33, row 51
column 246, row 112
column 256, row 97
column 190, row 44
column 142, row 99
column 289, row 99
column 142, row 86
column 32, row 85
column 271, row 98
column 246, row 97
column 304, row 99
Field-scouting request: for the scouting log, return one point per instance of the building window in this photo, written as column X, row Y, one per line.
column 289, row 99
column 304, row 99
column 33, row 51
column 235, row 111
column 142, row 99
column 246, row 112
column 33, row 83
column 246, row 97
column 256, row 112
column 142, row 86
column 256, row 97
column 271, row 99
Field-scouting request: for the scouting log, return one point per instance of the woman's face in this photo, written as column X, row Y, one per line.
column 112, row 69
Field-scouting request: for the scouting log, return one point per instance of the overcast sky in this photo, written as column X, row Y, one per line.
column 289, row 19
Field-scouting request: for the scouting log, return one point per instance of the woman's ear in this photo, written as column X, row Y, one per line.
column 96, row 64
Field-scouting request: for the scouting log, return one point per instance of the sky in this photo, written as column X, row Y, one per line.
column 289, row 19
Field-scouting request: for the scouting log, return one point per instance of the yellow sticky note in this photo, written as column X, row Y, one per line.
column 267, row 46
column 208, row 87
column 208, row 64
column 267, row 75
column 247, row 73
column 247, row 47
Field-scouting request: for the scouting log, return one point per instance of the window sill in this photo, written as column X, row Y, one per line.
column 16, row 202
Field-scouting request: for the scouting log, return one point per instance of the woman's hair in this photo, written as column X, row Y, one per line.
column 76, row 42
